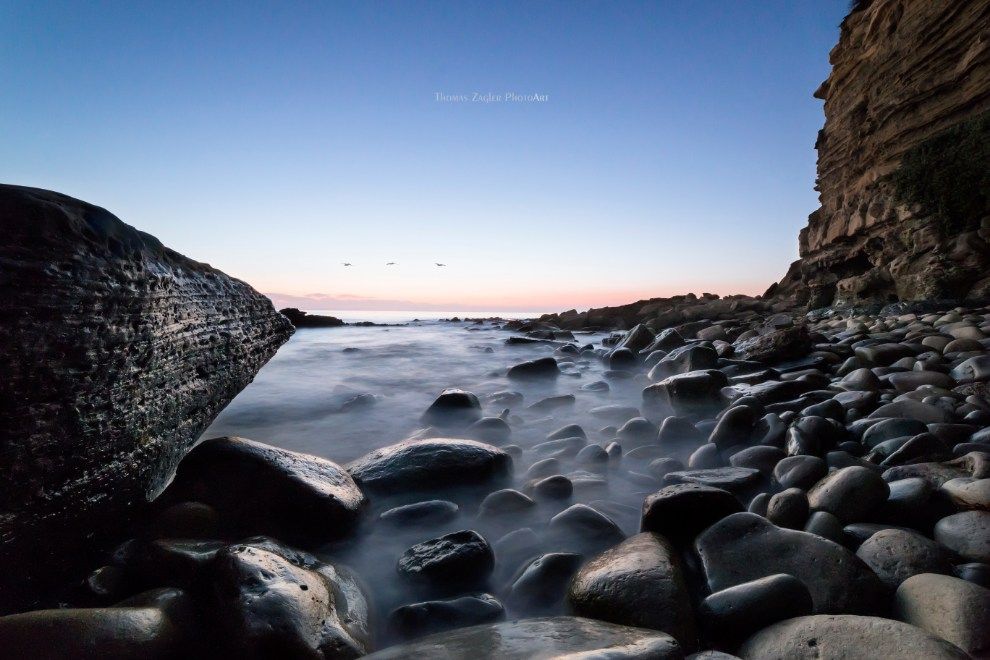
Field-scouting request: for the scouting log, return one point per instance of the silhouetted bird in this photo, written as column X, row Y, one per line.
column 441, row 265
column 391, row 263
column 347, row 264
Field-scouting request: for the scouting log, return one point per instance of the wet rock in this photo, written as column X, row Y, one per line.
column 733, row 479
column 514, row 548
column 776, row 346
column 432, row 616
column 967, row 534
column 678, row 438
column 923, row 412
column 735, row 613
column 555, row 487
column 541, row 586
column 429, row 512
column 641, row 583
column 850, row 494
column 187, row 520
column 504, row 502
column 800, row 471
column 735, row 427
column 788, row 508
column 551, row 403
column 837, row 579
column 888, row 429
column 459, row 559
column 431, row 464
column 638, row 338
column 536, row 369
column 454, row 407
column 616, row 413
column 558, row 637
column 897, row 554
column 825, row 525
column 301, row 319
column 268, row 597
column 682, row 360
column 695, row 392
column 683, row 510
column 860, row 380
column 592, row 455
column 974, row 572
column 846, row 636
column 622, row 359
column 569, row 431
column 584, row 529
column 637, row 431
column 761, row 458
column 260, row 489
column 156, row 624
column 947, row 607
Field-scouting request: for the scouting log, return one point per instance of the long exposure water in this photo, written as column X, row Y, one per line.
column 342, row 392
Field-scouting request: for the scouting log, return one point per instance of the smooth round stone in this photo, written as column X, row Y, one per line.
column 732, row 479
column 830, row 408
column 458, row 559
column 967, row 534
column 964, row 345
column 683, row 510
column 614, row 413
column 505, row 502
column 684, row 359
column 186, row 520
column 429, row 512
column 622, row 359
column 543, row 468
column 592, row 455
column 555, row 487
column 641, row 583
column 637, row 431
column 737, row 612
column 800, row 471
column 453, row 407
column 645, row 453
column 923, row 412
column 569, row 431
column 694, row 392
column 678, row 437
column 825, row 525
column 761, row 458
column 950, row 608
column 759, row 504
column 744, row 546
column 788, row 508
column 661, row 467
column 596, row 386
column 883, row 355
column 549, row 404
column 912, row 380
column 541, row 586
column 706, row 456
column 968, row 493
column 431, row 464
column 562, row 447
column 614, row 451
column 418, row 619
column 735, row 427
column 846, row 636
column 850, row 494
column 975, row 368
column 888, row 429
column 897, row 554
column 542, row 368
column 551, row 637
column 584, row 528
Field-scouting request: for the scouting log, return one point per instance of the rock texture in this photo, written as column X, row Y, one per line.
column 902, row 72
column 116, row 353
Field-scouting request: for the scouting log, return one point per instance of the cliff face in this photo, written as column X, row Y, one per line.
column 116, row 353
column 902, row 72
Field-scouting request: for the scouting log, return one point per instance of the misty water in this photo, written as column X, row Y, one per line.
column 342, row 392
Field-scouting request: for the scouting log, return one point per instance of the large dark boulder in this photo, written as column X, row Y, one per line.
column 116, row 354
column 260, row 489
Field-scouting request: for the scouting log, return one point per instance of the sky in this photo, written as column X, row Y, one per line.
column 552, row 154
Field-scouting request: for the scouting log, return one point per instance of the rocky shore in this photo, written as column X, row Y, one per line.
column 810, row 485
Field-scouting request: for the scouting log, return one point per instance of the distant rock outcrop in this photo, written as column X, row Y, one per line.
column 116, row 353
column 903, row 73
column 302, row 319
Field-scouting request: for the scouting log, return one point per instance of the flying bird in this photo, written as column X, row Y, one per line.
column 391, row 263
column 347, row 263
column 441, row 265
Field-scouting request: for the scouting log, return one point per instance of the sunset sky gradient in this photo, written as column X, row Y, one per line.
column 673, row 153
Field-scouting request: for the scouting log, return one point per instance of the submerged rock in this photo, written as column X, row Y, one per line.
column 419, row 619
column 116, row 354
column 454, row 560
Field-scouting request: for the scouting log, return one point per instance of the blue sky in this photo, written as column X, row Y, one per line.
column 674, row 151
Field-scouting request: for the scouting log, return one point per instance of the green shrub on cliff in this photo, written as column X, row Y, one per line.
column 948, row 175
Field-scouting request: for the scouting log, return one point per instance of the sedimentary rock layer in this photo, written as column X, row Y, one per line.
column 116, row 353
column 902, row 72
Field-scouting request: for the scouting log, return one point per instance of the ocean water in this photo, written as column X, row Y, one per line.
column 299, row 401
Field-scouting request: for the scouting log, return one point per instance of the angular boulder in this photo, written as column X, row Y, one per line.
column 116, row 354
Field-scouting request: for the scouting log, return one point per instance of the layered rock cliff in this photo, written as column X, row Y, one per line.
column 903, row 72
column 116, row 353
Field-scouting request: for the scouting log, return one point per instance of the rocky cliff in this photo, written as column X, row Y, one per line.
column 903, row 73
column 116, row 353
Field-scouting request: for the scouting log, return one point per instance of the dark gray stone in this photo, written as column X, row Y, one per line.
column 733, row 614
